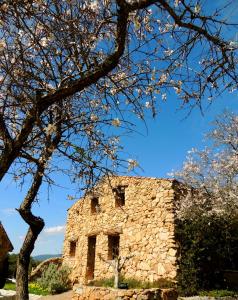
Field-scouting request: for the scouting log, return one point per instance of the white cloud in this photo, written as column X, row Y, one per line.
column 9, row 211
column 54, row 230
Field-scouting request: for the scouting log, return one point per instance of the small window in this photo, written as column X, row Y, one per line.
column 95, row 207
column 119, row 193
column 113, row 246
column 72, row 248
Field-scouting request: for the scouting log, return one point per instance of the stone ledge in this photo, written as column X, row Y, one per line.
column 7, row 295
column 98, row 293
column 208, row 298
column 10, row 295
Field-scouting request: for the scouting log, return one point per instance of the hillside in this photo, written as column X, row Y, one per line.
column 45, row 256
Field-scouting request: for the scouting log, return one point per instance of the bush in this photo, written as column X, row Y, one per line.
column 12, row 259
column 133, row 283
column 107, row 282
column 218, row 293
column 208, row 246
column 35, row 288
column 55, row 279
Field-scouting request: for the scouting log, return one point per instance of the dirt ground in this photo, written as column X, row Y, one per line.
column 63, row 296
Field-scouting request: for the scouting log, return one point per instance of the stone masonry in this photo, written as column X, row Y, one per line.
column 5, row 247
column 125, row 216
column 98, row 293
column 5, row 243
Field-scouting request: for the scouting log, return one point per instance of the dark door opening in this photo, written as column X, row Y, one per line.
column 113, row 246
column 91, row 257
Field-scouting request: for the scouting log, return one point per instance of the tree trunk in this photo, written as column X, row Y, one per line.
column 12, row 148
column 6, row 159
column 116, row 273
column 36, row 226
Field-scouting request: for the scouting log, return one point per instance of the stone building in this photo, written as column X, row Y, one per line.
column 124, row 216
column 5, row 247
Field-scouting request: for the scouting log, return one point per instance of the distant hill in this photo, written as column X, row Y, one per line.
column 45, row 256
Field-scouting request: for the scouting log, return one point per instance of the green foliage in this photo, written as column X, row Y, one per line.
column 12, row 259
column 55, row 279
column 137, row 284
column 133, row 283
column 218, row 293
column 107, row 282
column 10, row 286
column 34, row 288
column 208, row 246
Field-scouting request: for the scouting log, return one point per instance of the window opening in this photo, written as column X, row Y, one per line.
column 113, row 246
column 119, row 193
column 72, row 248
column 95, row 206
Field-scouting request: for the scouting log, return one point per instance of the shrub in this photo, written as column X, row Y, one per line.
column 133, row 283
column 54, row 279
column 107, row 282
column 35, row 288
column 208, row 246
column 218, row 293
column 12, row 259
column 138, row 284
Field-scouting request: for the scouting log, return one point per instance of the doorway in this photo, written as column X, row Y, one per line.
column 91, row 257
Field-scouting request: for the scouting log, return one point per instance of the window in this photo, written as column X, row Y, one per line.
column 72, row 248
column 95, row 207
column 119, row 193
column 113, row 246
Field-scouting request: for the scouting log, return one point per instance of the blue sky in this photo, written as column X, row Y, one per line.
column 159, row 151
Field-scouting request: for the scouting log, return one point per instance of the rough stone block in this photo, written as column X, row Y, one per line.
column 146, row 222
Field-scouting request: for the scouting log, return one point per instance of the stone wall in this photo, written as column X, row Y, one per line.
column 11, row 295
column 37, row 272
column 145, row 225
column 98, row 293
column 5, row 247
column 5, row 244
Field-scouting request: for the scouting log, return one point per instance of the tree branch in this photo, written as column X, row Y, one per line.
column 178, row 20
column 4, row 132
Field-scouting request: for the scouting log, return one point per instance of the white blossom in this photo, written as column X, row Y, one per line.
column 213, row 171
column 116, row 122
column 50, row 129
column 197, row 9
column 94, row 118
column 44, row 42
column 147, row 104
column 132, row 164
column 2, row 45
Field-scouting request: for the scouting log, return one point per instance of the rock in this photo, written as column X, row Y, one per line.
column 145, row 217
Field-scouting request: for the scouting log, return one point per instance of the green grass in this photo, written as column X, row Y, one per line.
column 134, row 283
column 218, row 293
column 10, row 286
column 33, row 287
